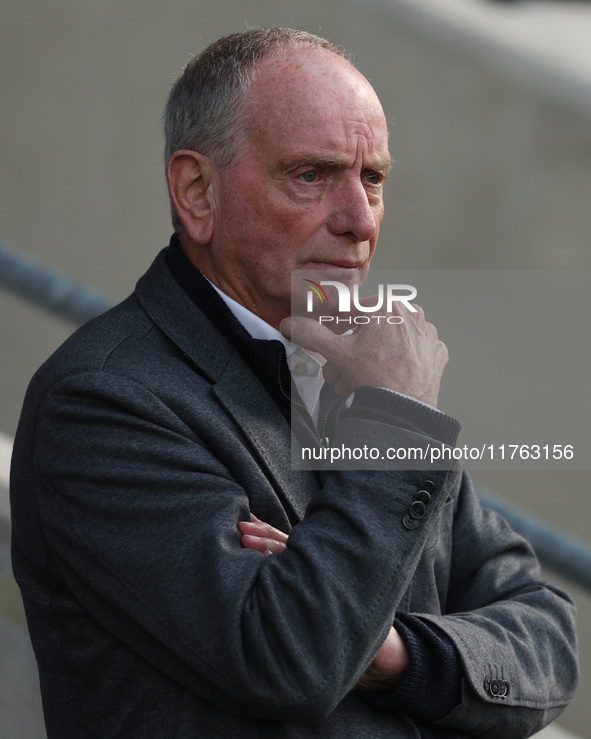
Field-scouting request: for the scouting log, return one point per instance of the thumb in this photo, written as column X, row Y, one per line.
column 311, row 335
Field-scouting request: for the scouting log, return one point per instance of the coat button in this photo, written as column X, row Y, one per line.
column 423, row 496
column 410, row 522
column 497, row 688
column 428, row 485
column 417, row 509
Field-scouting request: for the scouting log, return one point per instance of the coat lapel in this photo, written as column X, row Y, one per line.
column 255, row 412
column 235, row 386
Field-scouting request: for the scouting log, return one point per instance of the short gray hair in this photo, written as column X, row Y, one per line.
column 204, row 110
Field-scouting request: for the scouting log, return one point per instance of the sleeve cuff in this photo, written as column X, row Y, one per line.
column 432, row 685
column 400, row 410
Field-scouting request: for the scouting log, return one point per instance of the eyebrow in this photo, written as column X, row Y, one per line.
column 383, row 165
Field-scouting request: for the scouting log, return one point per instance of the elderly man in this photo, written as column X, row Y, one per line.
column 153, row 461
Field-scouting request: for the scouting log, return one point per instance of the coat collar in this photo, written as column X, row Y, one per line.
column 173, row 311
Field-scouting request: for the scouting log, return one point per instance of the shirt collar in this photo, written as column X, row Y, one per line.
column 305, row 366
column 255, row 325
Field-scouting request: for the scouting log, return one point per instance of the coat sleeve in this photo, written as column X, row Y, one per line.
column 515, row 634
column 139, row 513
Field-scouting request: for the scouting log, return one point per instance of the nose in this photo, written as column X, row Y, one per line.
column 353, row 213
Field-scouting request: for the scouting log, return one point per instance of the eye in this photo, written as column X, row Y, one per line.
column 310, row 176
column 374, row 178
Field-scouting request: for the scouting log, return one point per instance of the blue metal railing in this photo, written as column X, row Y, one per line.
column 557, row 550
column 48, row 289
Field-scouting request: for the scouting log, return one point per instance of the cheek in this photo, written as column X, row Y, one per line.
column 269, row 231
column 379, row 215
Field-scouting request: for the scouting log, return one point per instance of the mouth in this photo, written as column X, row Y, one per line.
column 340, row 264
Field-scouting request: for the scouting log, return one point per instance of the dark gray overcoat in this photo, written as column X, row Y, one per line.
column 143, row 441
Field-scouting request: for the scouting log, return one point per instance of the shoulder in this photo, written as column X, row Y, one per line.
column 91, row 346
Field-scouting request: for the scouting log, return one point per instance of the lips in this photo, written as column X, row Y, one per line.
column 341, row 264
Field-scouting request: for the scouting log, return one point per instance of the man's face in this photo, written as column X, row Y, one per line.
column 306, row 189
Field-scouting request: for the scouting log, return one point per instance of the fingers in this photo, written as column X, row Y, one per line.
column 262, row 537
column 265, row 546
column 259, row 528
column 406, row 356
column 333, row 374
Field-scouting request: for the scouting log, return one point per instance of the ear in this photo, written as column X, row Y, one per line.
column 190, row 178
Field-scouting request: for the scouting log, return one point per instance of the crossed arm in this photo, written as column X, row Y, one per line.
column 392, row 659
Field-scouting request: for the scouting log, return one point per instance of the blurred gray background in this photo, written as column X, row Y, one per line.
column 490, row 112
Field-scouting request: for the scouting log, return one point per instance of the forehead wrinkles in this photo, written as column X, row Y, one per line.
column 309, row 86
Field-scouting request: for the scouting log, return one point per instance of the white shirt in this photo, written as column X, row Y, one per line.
column 305, row 366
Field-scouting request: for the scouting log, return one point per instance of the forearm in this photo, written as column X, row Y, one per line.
column 517, row 628
column 152, row 549
column 515, row 634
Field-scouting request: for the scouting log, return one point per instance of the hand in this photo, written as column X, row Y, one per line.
column 392, row 658
column 261, row 536
column 407, row 357
column 388, row 666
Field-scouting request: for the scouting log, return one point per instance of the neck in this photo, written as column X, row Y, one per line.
column 268, row 309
